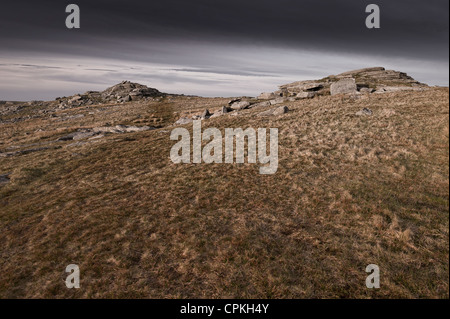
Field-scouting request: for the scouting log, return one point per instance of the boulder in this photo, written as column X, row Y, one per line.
column 280, row 110
column 183, row 120
column 366, row 90
column 274, row 112
column 240, row 105
column 389, row 89
column 266, row 96
column 106, row 129
column 277, row 101
column 306, row 95
column 261, row 104
column 120, row 129
column 68, row 137
column 300, row 86
column 205, row 115
column 125, row 99
column 365, row 112
column 75, row 99
column 222, row 111
column 82, row 135
column 231, row 102
column 344, row 86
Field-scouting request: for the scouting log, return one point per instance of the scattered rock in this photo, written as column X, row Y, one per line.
column 68, row 137
column 121, row 129
column 97, row 136
column 281, row 110
column 365, row 112
column 222, row 111
column 81, row 136
column 344, row 86
column 277, row 101
column 125, row 99
column 240, row 105
column 266, row 96
column 366, row 90
column 274, row 112
column 75, row 98
column 183, row 120
column 205, row 115
column 261, row 104
column 295, row 88
column 390, row 89
column 306, row 95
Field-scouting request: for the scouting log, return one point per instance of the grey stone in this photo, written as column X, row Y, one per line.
column 217, row 114
column 120, row 129
column 274, row 112
column 365, row 112
column 82, row 135
column 240, row 105
column 125, row 99
column 306, row 95
column 281, row 110
column 266, row 96
column 130, row 129
column 277, row 101
column 390, row 89
column 75, row 99
column 183, row 120
column 68, row 137
column 205, row 115
column 262, row 104
column 344, row 86
column 366, row 90
column 234, row 101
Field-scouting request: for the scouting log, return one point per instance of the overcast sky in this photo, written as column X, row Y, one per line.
column 213, row 47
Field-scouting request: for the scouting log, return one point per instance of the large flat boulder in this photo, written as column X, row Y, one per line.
column 266, row 96
column 344, row 86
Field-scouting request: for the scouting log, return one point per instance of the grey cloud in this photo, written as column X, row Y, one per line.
column 217, row 41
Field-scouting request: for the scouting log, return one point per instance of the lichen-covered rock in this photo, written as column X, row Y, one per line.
column 266, row 96
column 305, row 95
column 274, row 112
column 240, row 105
column 344, row 86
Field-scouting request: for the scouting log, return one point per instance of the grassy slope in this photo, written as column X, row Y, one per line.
column 350, row 191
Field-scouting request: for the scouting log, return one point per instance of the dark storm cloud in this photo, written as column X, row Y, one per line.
column 243, row 47
column 409, row 27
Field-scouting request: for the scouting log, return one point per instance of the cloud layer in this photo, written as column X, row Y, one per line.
column 213, row 48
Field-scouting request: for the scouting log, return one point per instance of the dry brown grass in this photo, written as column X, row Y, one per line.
column 350, row 191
